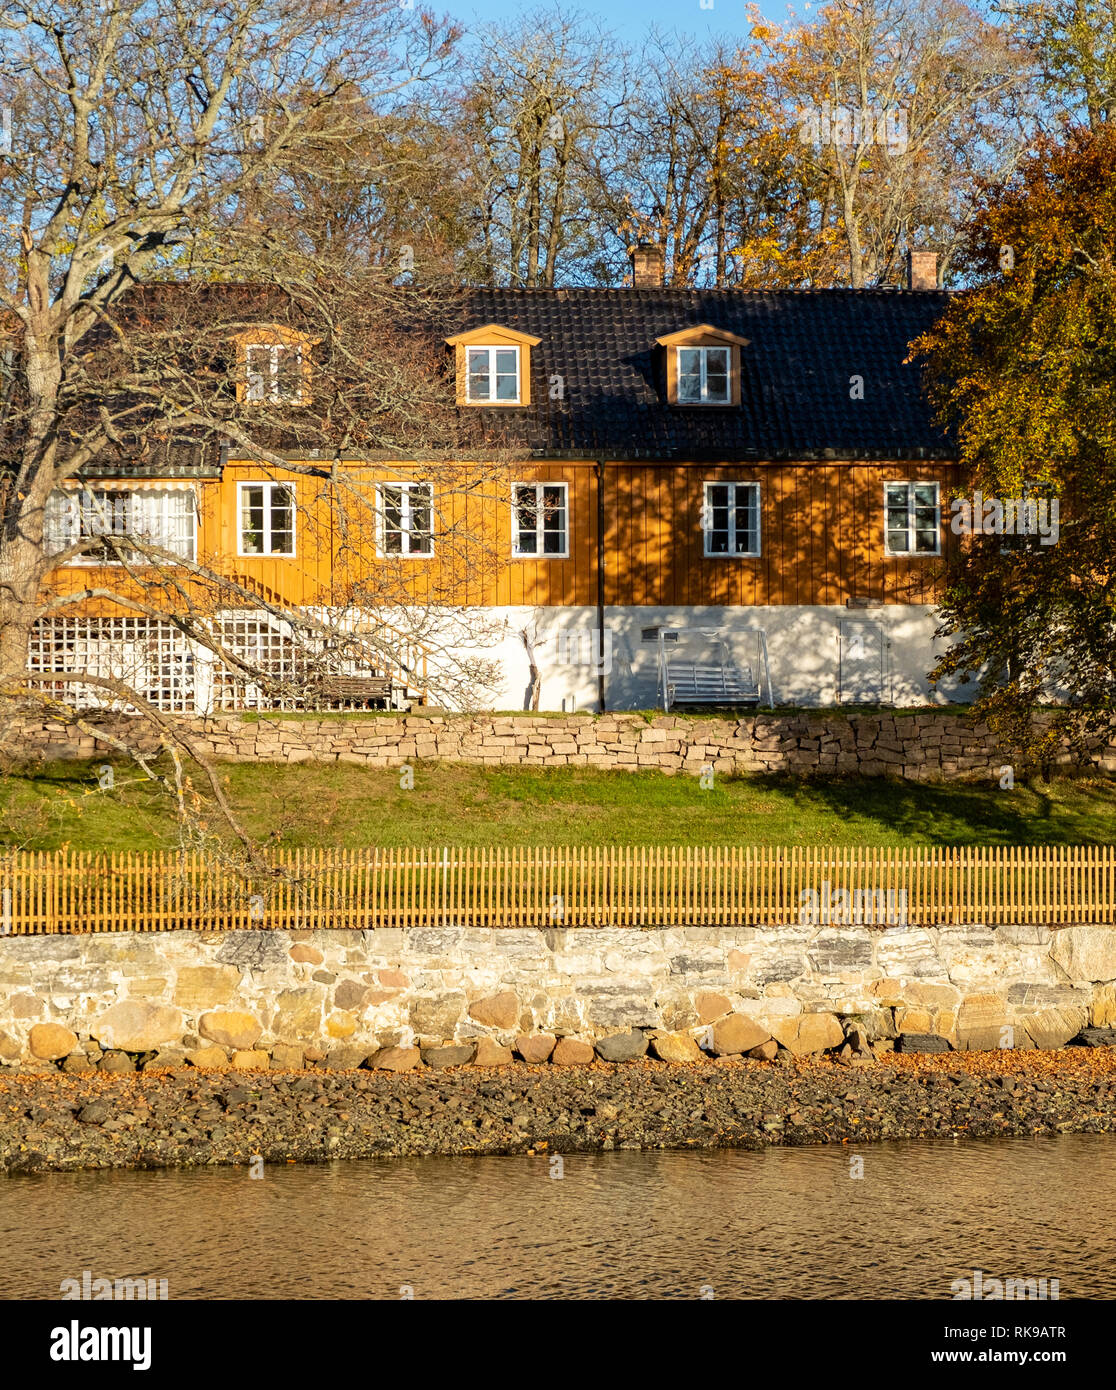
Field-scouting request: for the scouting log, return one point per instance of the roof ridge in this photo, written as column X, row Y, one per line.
column 646, row 291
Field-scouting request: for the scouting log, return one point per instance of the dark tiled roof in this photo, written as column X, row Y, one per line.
column 803, row 348
column 804, row 345
column 178, row 457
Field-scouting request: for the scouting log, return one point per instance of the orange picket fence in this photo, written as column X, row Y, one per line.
column 609, row 885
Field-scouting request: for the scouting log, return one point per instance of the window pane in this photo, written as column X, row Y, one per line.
column 282, row 520
column 258, row 361
column 507, row 374
column 714, row 518
column 165, row 519
column 60, row 522
column 716, row 374
column 182, row 512
column 289, row 373
column 422, row 519
column 251, row 520
column 526, row 514
column 104, row 514
column 479, row 389
column 745, row 519
column 393, row 520
column 554, row 520
column 897, row 499
column 689, row 374
column 926, row 495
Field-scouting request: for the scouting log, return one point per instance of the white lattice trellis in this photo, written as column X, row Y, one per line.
column 265, row 646
column 149, row 655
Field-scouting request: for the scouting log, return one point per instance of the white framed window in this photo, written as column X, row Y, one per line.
column 492, row 374
column 406, row 515
column 730, row 519
column 273, row 372
column 540, row 520
column 912, row 519
column 265, row 518
column 166, row 518
column 704, row 375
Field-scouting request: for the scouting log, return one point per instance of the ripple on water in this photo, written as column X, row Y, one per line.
column 778, row 1223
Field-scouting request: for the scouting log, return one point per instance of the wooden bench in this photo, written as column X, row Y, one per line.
column 355, row 690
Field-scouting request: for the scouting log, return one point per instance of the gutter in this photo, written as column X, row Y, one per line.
column 601, row 648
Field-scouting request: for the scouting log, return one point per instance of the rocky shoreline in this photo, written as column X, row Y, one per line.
column 155, row 1119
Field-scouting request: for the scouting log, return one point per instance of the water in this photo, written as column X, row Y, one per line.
column 778, row 1223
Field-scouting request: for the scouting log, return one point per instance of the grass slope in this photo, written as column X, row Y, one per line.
column 345, row 805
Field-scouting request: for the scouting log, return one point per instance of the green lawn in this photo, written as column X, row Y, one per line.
column 345, row 805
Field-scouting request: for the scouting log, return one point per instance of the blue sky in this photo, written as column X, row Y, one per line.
column 630, row 19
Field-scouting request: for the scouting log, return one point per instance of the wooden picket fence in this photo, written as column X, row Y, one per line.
column 627, row 886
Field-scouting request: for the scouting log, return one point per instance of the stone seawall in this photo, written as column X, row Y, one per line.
column 448, row 996
column 922, row 746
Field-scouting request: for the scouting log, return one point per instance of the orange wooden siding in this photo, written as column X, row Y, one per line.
column 821, row 536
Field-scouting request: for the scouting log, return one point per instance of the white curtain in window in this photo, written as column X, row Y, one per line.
column 163, row 516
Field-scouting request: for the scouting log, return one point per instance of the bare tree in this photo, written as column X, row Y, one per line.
column 139, row 263
column 539, row 98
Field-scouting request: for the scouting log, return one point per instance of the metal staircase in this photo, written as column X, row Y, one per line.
column 698, row 666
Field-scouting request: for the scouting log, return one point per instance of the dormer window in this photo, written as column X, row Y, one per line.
column 493, row 366
column 702, row 365
column 703, row 375
column 273, row 365
column 274, row 372
column 493, row 374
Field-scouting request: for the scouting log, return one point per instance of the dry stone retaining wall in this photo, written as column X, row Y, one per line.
column 261, row 998
column 921, row 746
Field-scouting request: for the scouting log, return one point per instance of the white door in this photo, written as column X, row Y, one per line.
column 862, row 677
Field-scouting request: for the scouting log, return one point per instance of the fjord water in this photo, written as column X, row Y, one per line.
column 779, row 1223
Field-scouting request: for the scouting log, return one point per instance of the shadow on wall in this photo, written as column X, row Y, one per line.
column 819, row 657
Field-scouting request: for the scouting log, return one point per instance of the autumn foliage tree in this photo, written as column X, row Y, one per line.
column 1023, row 368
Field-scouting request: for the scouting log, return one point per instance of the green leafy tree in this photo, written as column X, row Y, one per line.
column 1023, row 368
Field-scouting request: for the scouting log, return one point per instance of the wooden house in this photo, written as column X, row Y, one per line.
column 704, row 496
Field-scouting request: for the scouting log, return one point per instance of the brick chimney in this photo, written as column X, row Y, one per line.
column 922, row 270
column 648, row 263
